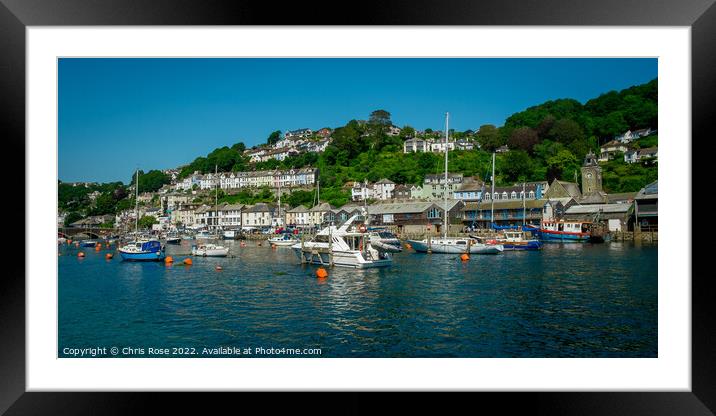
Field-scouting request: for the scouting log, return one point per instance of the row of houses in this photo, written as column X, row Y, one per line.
column 418, row 145
column 252, row 179
column 609, row 151
column 456, row 186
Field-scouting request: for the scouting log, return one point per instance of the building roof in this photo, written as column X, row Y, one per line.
column 650, row 191
column 385, row 181
column 259, row 207
column 323, row 207
column 298, row 209
column 603, row 208
column 623, row 196
column 401, row 208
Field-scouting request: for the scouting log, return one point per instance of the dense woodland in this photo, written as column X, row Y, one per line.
column 546, row 141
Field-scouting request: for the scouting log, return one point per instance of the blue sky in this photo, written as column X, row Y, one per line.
column 119, row 114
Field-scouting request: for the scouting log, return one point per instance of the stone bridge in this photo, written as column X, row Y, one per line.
column 95, row 232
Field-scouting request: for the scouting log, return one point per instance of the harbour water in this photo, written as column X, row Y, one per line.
column 571, row 300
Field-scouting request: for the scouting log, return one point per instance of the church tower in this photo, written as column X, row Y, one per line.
column 591, row 175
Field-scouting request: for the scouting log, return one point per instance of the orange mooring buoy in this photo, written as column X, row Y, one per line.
column 321, row 273
column 408, row 246
column 108, row 256
column 69, row 241
column 97, row 248
column 80, row 254
column 168, row 260
column 464, row 257
column 273, row 246
column 188, row 261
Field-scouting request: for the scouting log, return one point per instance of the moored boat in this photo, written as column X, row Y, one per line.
column 142, row 250
column 341, row 247
column 516, row 241
column 285, row 239
column 210, row 250
column 565, row 231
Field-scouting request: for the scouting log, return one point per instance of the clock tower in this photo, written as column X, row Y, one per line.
column 591, row 175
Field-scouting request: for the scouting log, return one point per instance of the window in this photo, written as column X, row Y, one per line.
column 513, row 195
column 434, row 213
column 532, row 194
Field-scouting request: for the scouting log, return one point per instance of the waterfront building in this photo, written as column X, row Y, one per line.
column 381, row 190
column 563, row 189
column 297, row 216
column 506, row 212
column 415, row 217
column 230, row 215
column 259, row 215
column 646, row 207
column 184, row 214
column 173, row 201
column 317, row 213
column 617, row 217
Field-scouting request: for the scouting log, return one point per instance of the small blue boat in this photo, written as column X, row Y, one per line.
column 142, row 250
column 88, row 243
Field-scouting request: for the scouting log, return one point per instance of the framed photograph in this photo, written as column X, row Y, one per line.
column 422, row 200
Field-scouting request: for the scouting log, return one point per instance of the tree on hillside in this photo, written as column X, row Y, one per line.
column 523, row 138
column 273, row 137
column 150, row 181
column 566, row 131
column 561, row 165
column 239, row 147
column 516, row 166
column 407, row 132
column 489, row 137
column 380, row 117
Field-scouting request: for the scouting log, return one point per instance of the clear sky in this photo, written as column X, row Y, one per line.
column 119, row 114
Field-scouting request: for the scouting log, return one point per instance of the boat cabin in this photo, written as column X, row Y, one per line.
column 567, row 226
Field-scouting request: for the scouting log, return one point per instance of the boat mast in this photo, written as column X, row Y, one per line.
column 216, row 197
column 492, row 197
column 524, row 204
column 447, row 116
column 279, row 198
column 136, row 205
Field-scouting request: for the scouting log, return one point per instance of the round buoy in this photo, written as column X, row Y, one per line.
column 259, row 244
column 464, row 257
column 77, row 244
column 168, row 260
column 219, row 268
column 97, row 248
column 408, row 246
column 321, row 273
column 69, row 241
column 188, row 261
column 273, row 246
column 108, row 256
column 80, row 254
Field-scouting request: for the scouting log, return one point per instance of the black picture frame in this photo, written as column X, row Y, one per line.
column 15, row 15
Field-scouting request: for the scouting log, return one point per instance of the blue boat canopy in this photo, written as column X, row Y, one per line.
column 151, row 246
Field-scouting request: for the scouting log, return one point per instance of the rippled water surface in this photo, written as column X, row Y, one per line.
column 577, row 300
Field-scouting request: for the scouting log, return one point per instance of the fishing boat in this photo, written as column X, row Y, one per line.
column 452, row 245
column 141, row 248
column 565, row 231
column 343, row 246
column 285, row 239
column 230, row 234
column 205, row 235
column 173, row 238
column 516, row 241
column 209, row 250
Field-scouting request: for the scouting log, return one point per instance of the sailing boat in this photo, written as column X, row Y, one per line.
column 451, row 245
column 141, row 249
column 207, row 249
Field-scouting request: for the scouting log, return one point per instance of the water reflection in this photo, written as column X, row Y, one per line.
column 569, row 300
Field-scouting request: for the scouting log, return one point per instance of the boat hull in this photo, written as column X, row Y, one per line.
column 283, row 243
column 147, row 256
column 444, row 248
column 211, row 253
column 526, row 246
column 342, row 259
column 561, row 236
